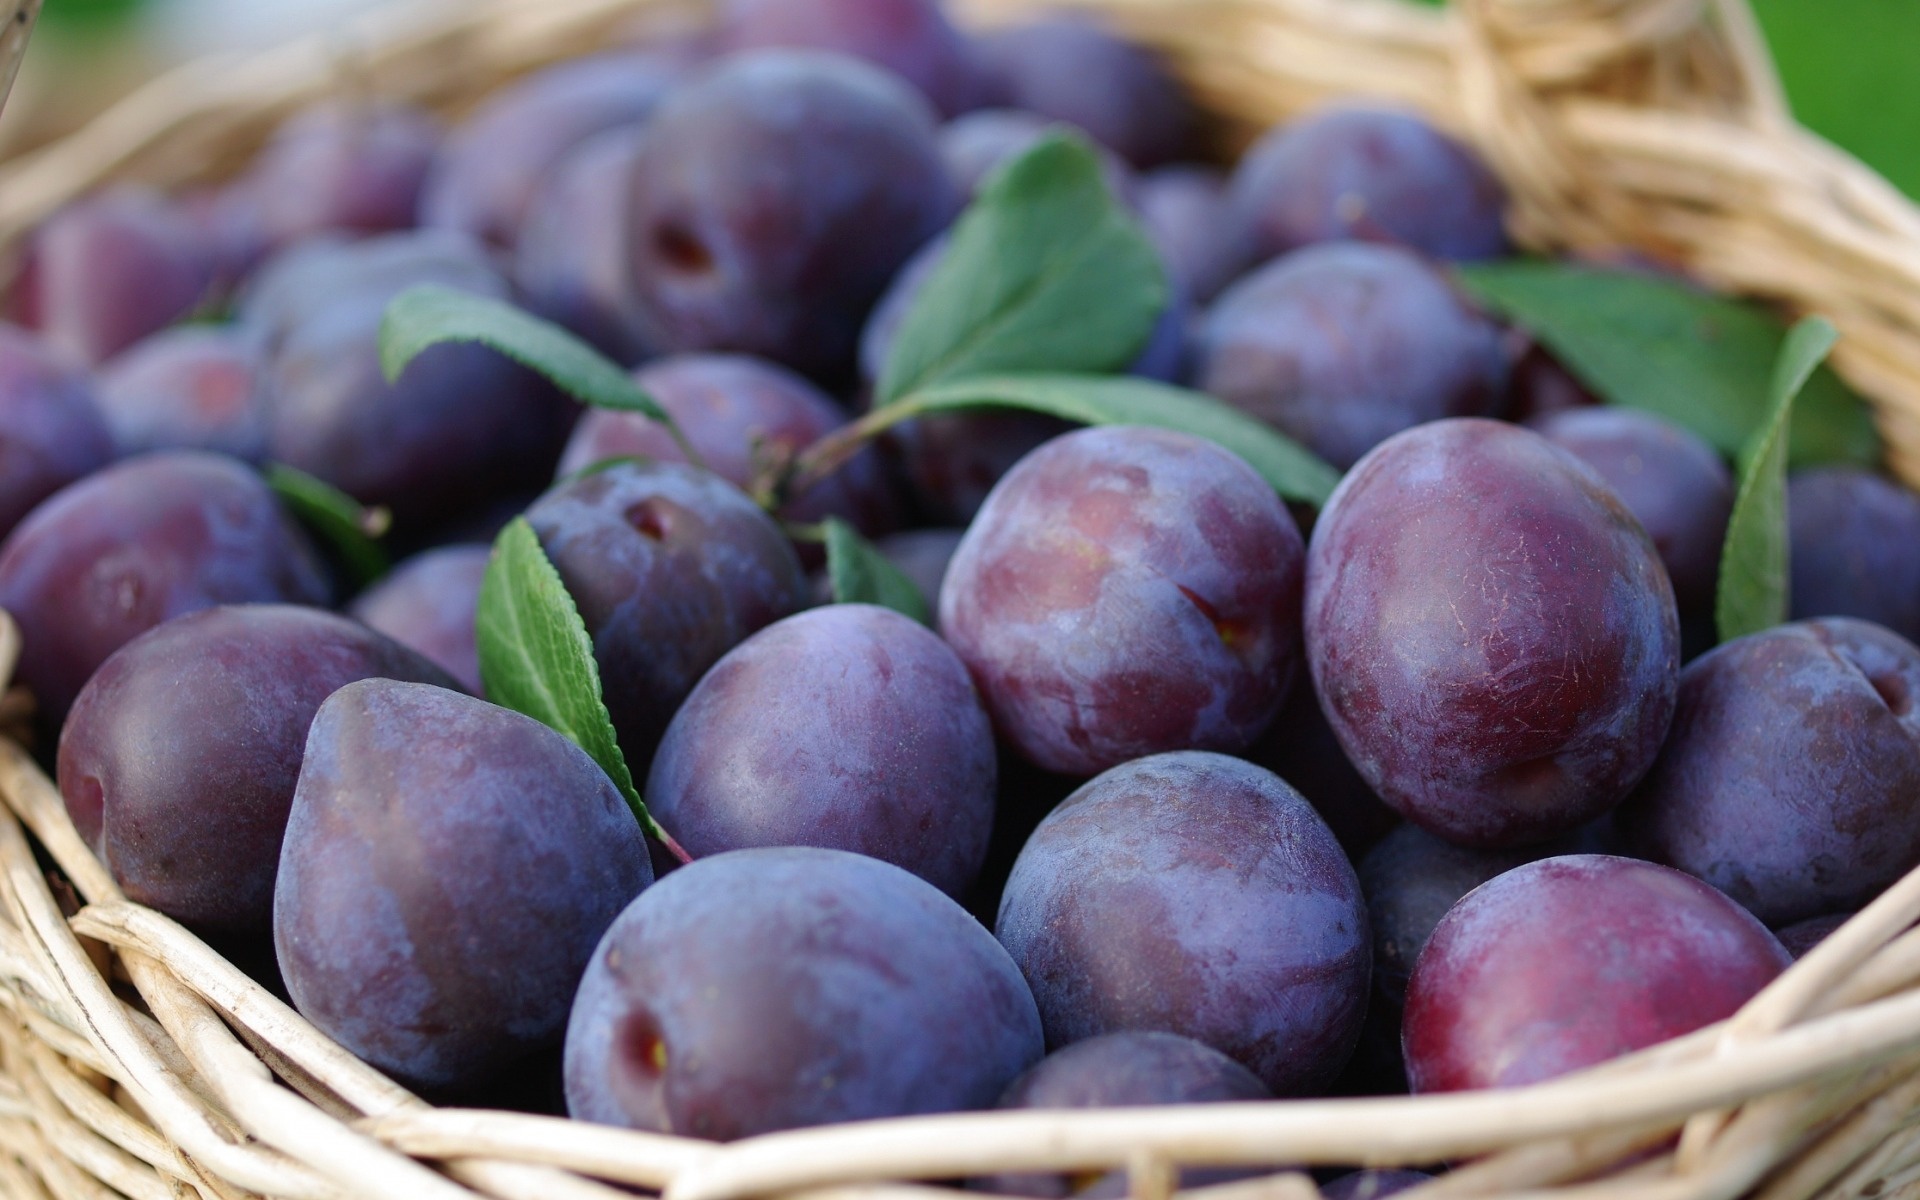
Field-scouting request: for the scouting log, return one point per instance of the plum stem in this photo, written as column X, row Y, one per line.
column 674, row 848
column 812, row 465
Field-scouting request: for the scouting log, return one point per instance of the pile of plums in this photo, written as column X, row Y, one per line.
column 1094, row 840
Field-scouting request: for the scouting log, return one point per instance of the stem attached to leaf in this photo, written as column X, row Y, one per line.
column 812, row 466
column 666, row 839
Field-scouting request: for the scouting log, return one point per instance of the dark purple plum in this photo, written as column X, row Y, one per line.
column 139, row 543
column 1124, row 1070
column 352, row 166
column 1412, row 879
column 1540, row 387
column 51, row 428
column 1569, row 962
column 1300, row 747
column 738, row 412
column 849, row 727
column 773, row 199
column 179, row 758
column 1184, row 210
column 461, row 424
column 427, row 604
column 487, row 170
column 1372, row 1185
column 979, row 144
column 1791, row 777
column 570, row 260
column 448, row 868
column 911, row 38
column 111, row 268
column 1802, row 936
column 1674, row 484
column 1409, row 349
column 1149, row 900
column 1127, row 591
column 773, row 989
column 1855, row 548
column 1072, row 69
column 671, row 568
column 196, row 387
column 1369, row 174
column 1491, row 633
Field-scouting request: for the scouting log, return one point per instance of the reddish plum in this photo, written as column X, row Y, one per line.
column 139, row 543
column 1569, row 962
column 1126, row 591
column 1491, row 633
column 197, row 387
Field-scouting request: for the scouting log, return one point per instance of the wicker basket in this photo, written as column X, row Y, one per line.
column 135, row 1062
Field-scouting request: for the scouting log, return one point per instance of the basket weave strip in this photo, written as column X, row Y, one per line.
column 134, row 1061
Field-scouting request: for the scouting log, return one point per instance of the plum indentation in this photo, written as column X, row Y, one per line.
column 1894, row 692
column 681, row 249
column 651, row 519
column 641, row 1046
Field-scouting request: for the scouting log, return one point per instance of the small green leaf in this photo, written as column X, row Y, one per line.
column 1293, row 470
column 1046, row 271
column 1753, row 564
column 860, row 574
column 337, row 518
column 536, row 657
column 1699, row 360
column 427, row 314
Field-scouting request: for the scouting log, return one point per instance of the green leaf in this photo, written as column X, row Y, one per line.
column 345, row 524
column 536, row 657
column 860, row 574
column 1046, row 271
column 1753, row 564
column 1699, row 360
column 1293, row 470
column 427, row 314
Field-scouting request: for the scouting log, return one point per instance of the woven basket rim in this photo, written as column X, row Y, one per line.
column 208, row 1082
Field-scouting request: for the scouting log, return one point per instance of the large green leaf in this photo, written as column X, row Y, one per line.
column 1699, row 360
column 1753, row 565
column 1046, row 271
column 537, row 658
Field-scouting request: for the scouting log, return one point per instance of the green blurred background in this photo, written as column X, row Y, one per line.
column 1851, row 66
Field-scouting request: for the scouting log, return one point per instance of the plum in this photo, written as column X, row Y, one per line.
column 1126, row 591
column 179, row 757
column 1802, row 936
column 979, row 144
column 139, row 543
column 740, row 413
column 771, row 989
column 1673, row 483
column 448, row 868
column 1072, row 69
column 196, row 387
column 461, row 423
column 111, row 268
column 354, row 166
column 52, row 431
column 1409, row 349
column 570, row 258
column 773, row 199
column 486, row 172
column 1855, row 548
column 1184, row 210
column 1540, row 387
column 911, row 38
column 1490, row 632
column 850, row 727
column 1571, row 961
column 1149, row 900
column 296, row 286
column 671, row 567
column 1371, row 174
column 427, row 604
column 1121, row 1070
column 1790, row 777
